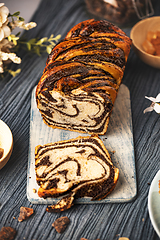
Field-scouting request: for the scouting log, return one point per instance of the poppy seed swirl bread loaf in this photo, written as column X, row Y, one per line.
column 82, row 76
column 74, row 168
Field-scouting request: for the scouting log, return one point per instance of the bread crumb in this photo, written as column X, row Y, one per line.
column 123, row 238
column 25, row 213
column 60, row 224
column 88, row 239
column 7, row 233
column 34, row 190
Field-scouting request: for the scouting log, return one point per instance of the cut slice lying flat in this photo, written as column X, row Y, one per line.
column 75, row 168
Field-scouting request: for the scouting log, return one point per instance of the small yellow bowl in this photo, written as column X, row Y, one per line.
column 138, row 35
column 6, row 143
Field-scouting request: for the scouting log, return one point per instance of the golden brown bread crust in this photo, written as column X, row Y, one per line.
column 88, row 64
column 101, row 28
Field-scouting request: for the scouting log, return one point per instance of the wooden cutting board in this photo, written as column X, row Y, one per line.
column 118, row 141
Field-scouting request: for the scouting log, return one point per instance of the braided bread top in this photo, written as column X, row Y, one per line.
column 91, row 58
column 90, row 48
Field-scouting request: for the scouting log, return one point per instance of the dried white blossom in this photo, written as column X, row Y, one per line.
column 155, row 105
column 23, row 25
column 6, row 45
column 4, row 11
column 1, row 66
column 12, row 56
column 9, row 41
column 5, row 31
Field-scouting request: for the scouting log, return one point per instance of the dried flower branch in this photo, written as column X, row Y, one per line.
column 39, row 46
column 9, row 43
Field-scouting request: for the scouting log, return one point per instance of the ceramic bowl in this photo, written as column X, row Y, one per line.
column 138, row 35
column 6, row 143
column 154, row 203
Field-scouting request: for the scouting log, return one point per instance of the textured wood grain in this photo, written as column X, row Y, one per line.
column 91, row 221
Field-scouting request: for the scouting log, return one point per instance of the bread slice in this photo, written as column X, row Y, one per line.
column 82, row 76
column 75, row 168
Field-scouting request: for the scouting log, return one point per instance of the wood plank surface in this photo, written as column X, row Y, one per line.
column 118, row 141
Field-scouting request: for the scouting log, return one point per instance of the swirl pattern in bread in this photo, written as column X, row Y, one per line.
column 76, row 168
column 82, row 76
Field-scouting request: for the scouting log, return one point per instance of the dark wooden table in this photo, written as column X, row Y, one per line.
column 104, row 221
